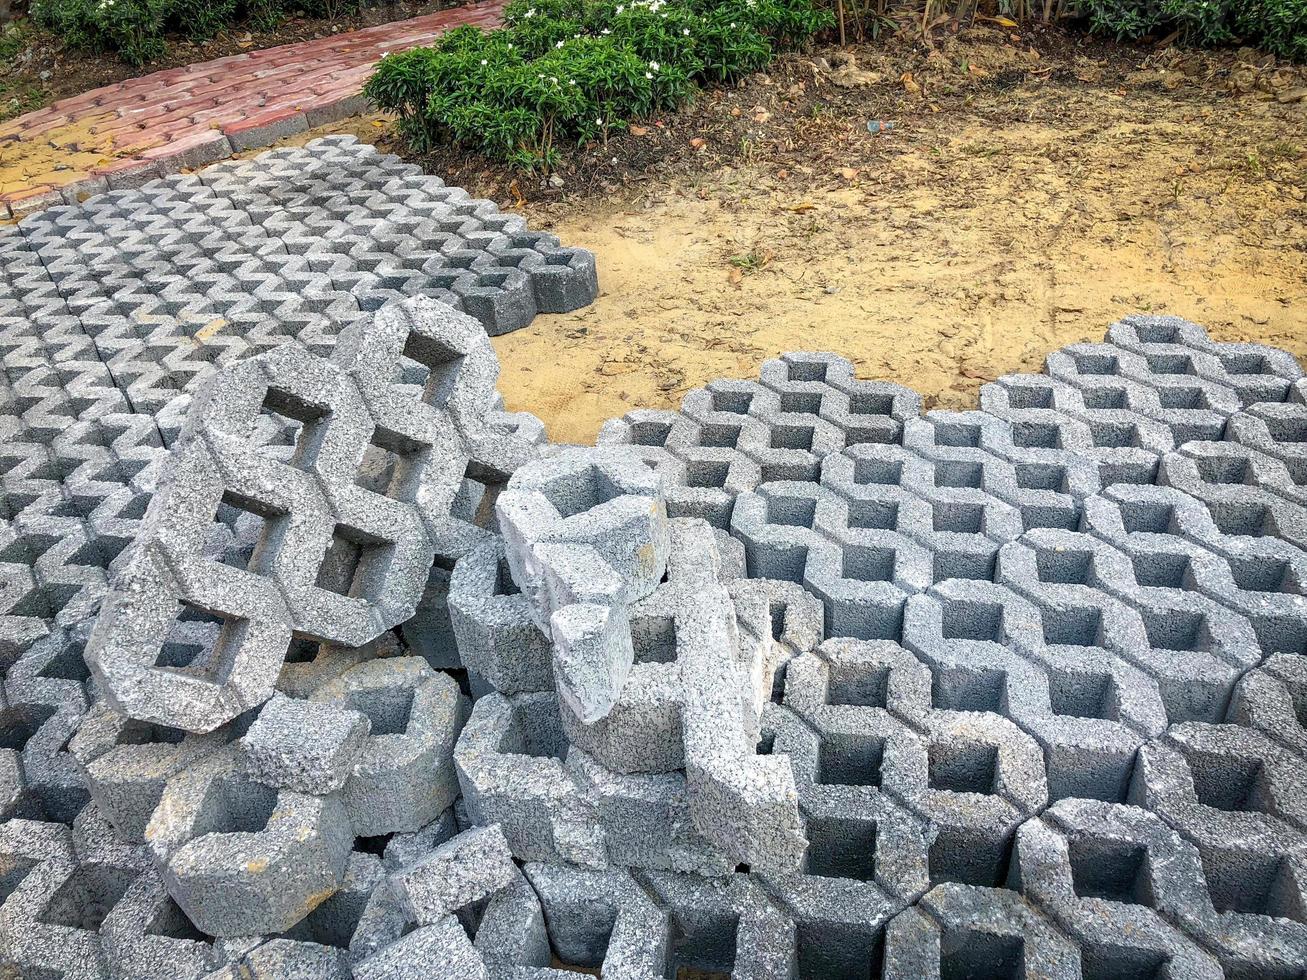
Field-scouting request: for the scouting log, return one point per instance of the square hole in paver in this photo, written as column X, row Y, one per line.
column 885, row 472
column 791, row 511
column 703, row 948
column 434, row 366
column 1174, row 396
column 388, row 708
column 1260, row 574
column 1175, row 629
column 842, row 848
column 706, row 473
column 797, row 437
column 1041, row 476
column 351, row 561
column 864, row 686
column 1115, row 870
column 734, row 402
column 847, row 759
column 391, row 466
column 258, row 531
column 1252, row 884
column 1075, row 626
column 958, row 517
column 716, row 435
column 881, row 515
column 967, row 620
column 951, row 473
column 963, row 766
column 86, row 897
column 1105, row 397
column 868, row 564
column 285, row 419
column 1231, row 783
column 200, row 643
column 800, row 402
column 971, row 954
column 871, row 403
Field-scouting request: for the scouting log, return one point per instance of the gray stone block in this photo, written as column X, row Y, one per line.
column 305, row 746
column 241, row 858
column 403, row 777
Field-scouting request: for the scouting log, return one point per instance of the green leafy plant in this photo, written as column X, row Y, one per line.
column 1277, row 26
column 572, row 71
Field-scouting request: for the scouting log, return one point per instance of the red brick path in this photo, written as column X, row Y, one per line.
column 124, row 134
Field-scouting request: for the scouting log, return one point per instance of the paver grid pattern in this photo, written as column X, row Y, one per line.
column 122, row 135
column 794, row 682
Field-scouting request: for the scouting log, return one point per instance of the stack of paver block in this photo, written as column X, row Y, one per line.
column 332, row 668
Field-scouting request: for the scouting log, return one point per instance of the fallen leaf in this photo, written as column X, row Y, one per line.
column 909, row 83
column 734, row 277
column 977, row 71
column 782, row 174
column 639, row 130
column 698, row 143
column 1004, row 22
column 848, row 173
column 760, row 115
column 735, row 111
column 803, row 207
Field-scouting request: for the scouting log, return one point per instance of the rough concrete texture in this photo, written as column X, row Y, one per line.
column 317, row 663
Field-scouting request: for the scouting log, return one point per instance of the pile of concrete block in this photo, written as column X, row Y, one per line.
column 319, row 664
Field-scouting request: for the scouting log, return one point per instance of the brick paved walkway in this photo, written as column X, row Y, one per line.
column 124, row 134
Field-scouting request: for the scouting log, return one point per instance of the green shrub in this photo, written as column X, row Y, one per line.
column 575, row 70
column 1277, row 26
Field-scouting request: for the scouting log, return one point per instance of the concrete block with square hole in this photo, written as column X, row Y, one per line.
column 402, row 776
column 1244, row 913
column 969, row 931
column 1245, row 490
column 722, row 925
column 127, row 763
column 305, row 746
column 1099, row 891
column 62, row 890
column 241, row 858
column 585, row 535
column 1257, row 373
column 493, row 623
column 643, row 732
column 605, row 499
column 1193, row 648
column 867, row 854
column 509, row 759
column 1238, row 796
column 1089, row 711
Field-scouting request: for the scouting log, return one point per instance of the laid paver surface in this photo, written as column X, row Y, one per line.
column 124, row 134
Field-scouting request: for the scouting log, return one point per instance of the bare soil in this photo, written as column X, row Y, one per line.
column 1033, row 189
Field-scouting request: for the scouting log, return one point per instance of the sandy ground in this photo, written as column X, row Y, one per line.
column 999, row 221
column 972, row 253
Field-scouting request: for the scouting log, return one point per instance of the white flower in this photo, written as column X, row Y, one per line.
column 559, row 44
column 653, row 66
column 510, row 47
column 685, row 31
column 648, row 75
column 732, row 25
column 605, row 31
column 599, row 122
column 553, row 79
column 571, row 81
column 620, row 9
column 484, row 62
